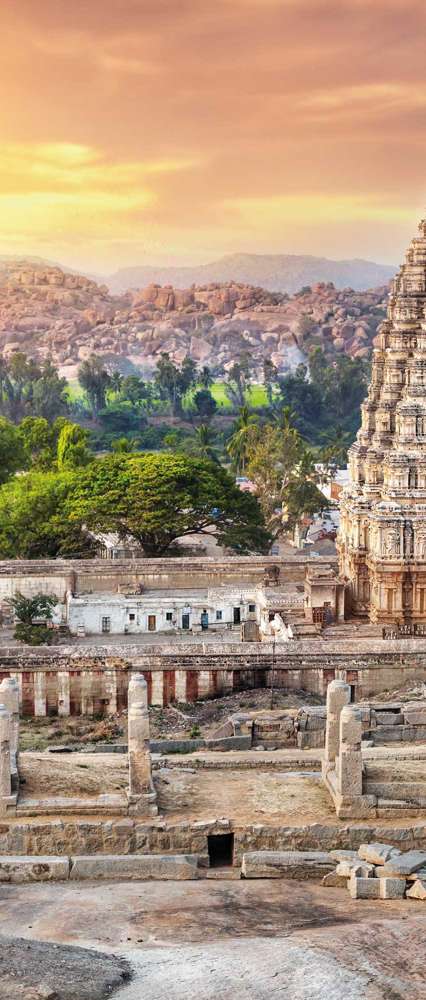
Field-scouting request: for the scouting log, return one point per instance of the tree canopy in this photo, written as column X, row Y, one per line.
column 156, row 499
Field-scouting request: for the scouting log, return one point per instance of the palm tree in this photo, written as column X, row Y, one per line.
column 205, row 377
column 204, row 441
column 335, row 449
column 116, row 381
column 242, row 435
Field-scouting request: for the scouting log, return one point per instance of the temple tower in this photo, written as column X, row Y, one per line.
column 382, row 536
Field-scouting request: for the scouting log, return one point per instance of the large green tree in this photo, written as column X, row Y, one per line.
column 95, row 379
column 33, row 520
column 29, row 388
column 12, row 455
column 156, row 499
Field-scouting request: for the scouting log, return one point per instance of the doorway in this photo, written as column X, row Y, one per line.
column 237, row 616
column 204, row 620
column 220, row 848
column 185, row 620
column 152, row 623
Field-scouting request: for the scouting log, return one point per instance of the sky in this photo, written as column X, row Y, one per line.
column 177, row 131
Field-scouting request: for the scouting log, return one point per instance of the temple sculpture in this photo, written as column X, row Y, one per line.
column 382, row 537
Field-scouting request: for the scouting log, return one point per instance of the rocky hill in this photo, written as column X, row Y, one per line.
column 275, row 272
column 48, row 313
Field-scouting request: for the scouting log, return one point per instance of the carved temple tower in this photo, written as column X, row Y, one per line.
column 382, row 537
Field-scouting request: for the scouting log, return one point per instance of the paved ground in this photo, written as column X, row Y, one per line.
column 233, row 940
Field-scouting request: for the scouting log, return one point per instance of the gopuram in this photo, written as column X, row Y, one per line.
column 382, row 538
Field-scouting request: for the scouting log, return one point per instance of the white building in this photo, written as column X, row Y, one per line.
column 158, row 611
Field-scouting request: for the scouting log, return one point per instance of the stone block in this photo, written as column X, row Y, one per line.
column 418, row 890
column 145, row 867
column 377, row 854
column 389, row 718
column 341, row 855
column 415, row 716
column 34, row 869
column 404, row 864
column 360, row 869
column 299, row 865
column 392, row 888
column 335, row 881
column 364, row 888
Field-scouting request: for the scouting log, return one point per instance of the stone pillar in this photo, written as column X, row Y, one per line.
column 63, row 692
column 9, row 697
column 5, row 768
column 40, row 705
column 141, row 793
column 87, row 693
column 180, row 685
column 338, row 695
column 349, row 770
column 110, row 681
column 204, row 683
column 157, row 695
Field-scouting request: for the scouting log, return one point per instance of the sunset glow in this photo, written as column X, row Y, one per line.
column 168, row 131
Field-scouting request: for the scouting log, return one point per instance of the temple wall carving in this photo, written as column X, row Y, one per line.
column 382, row 537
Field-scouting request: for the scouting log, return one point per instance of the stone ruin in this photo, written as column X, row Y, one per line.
column 140, row 799
column 363, row 786
column 379, row 871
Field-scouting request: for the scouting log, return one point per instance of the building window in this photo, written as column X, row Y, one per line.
column 106, row 624
column 132, row 617
column 169, row 616
column 219, row 616
column 252, row 608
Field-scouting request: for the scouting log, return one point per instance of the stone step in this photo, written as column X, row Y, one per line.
column 227, row 874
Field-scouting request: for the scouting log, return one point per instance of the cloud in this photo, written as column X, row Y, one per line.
column 201, row 128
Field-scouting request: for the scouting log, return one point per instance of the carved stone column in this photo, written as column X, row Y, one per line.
column 141, row 794
column 338, row 695
column 5, row 770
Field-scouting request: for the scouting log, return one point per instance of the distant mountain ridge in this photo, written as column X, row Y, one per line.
column 274, row 272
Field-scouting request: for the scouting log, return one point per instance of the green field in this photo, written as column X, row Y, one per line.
column 255, row 397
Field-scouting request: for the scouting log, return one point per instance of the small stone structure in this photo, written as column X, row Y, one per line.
column 342, row 765
column 361, row 787
column 141, row 795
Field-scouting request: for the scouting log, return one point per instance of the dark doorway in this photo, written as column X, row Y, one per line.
column 221, row 849
column 185, row 620
column 237, row 616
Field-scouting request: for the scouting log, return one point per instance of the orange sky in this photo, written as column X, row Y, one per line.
column 164, row 131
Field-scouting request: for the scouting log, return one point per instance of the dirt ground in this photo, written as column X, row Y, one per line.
column 230, row 940
column 174, row 721
column 184, row 792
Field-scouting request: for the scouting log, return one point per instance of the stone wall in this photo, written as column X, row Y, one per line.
column 131, row 836
column 92, row 680
column 56, row 576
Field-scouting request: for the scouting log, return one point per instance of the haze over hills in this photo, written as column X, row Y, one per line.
column 274, row 272
column 49, row 313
